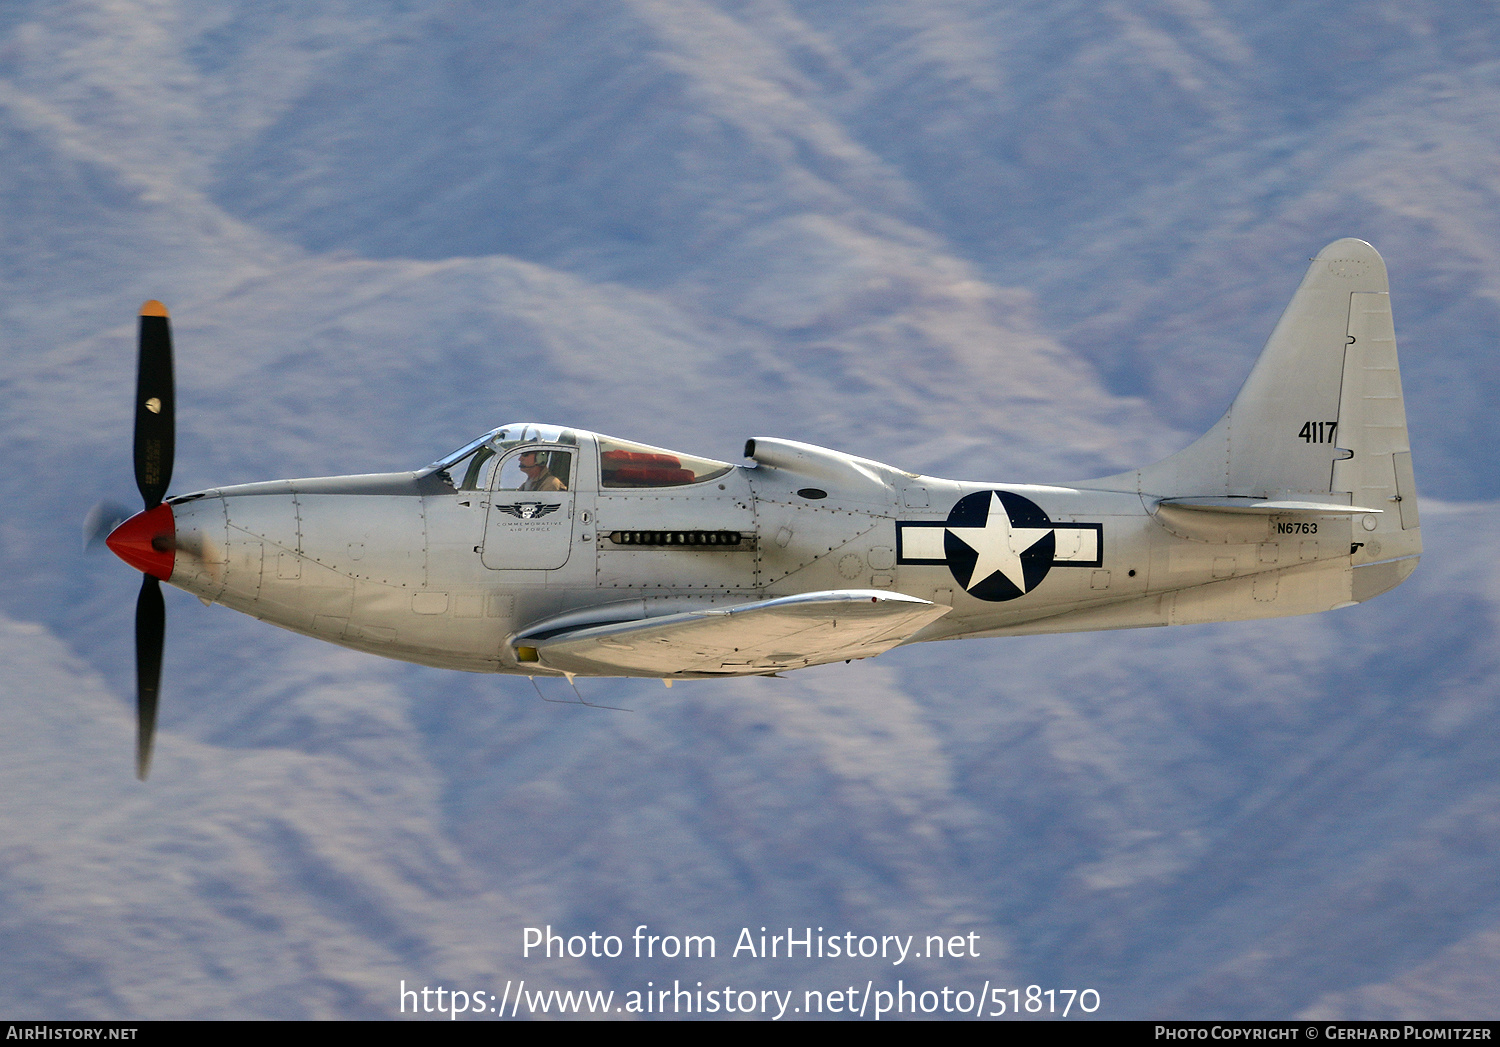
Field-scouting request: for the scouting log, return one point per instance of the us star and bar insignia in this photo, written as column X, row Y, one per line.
column 998, row 544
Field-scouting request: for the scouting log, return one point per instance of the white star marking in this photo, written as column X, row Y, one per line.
column 999, row 545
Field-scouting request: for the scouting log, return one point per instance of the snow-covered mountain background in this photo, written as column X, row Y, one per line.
column 1018, row 241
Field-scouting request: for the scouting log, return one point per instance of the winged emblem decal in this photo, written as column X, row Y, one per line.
column 527, row 510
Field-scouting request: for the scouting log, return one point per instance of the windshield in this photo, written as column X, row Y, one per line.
column 462, row 469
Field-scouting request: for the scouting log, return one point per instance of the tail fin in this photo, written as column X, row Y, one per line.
column 1320, row 419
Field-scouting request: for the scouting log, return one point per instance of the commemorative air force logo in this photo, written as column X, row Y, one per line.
column 527, row 510
column 999, row 545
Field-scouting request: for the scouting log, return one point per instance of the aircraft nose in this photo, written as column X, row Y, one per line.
column 147, row 541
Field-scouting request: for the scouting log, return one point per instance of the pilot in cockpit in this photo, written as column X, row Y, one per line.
column 538, row 476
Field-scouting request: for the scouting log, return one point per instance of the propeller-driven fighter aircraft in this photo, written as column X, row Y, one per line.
column 542, row 550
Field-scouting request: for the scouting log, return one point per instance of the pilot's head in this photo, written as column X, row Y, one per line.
column 532, row 463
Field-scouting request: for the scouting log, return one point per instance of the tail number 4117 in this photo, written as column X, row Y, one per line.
column 1318, row 432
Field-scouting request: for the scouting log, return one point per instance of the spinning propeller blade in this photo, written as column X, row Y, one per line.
column 150, row 633
column 148, row 541
column 155, row 406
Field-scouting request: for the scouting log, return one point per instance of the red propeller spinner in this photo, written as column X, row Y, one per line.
column 147, row 541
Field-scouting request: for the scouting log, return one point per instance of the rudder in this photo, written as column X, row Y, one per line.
column 1372, row 431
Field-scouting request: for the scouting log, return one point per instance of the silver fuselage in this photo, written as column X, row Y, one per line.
column 405, row 566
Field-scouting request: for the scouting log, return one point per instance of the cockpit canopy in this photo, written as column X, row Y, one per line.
column 622, row 463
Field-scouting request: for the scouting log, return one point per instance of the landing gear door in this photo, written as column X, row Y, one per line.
column 529, row 525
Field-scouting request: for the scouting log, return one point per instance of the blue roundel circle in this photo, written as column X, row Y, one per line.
column 999, row 545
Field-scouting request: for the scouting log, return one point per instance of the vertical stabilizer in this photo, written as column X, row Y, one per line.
column 1320, row 419
column 1285, row 430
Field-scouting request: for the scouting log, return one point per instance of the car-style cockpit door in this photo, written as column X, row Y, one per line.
column 530, row 521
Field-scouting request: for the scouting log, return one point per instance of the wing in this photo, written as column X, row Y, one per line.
column 744, row 639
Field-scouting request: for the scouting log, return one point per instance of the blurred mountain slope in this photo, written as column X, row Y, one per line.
column 1013, row 241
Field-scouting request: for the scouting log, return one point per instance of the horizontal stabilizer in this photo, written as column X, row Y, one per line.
column 743, row 639
column 1262, row 507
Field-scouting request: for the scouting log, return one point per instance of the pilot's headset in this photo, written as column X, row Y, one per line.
column 545, row 460
column 556, row 463
column 539, row 456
